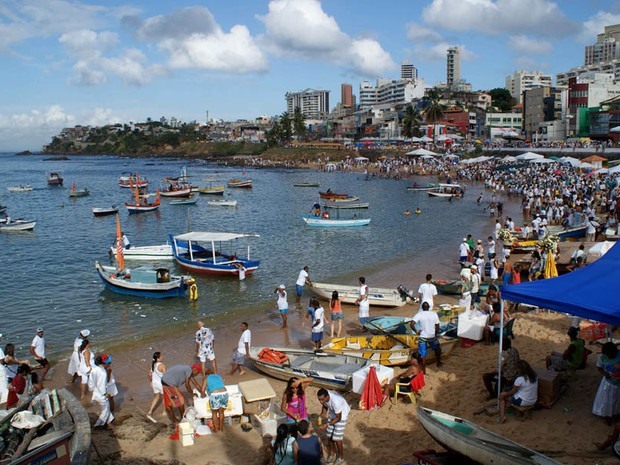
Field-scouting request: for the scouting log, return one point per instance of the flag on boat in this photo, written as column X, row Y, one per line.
column 120, row 257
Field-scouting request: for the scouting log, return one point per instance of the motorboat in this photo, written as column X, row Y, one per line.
column 446, row 190
column 325, row 220
column 131, row 180
column 240, row 183
column 377, row 296
column 214, row 252
column 328, row 194
column 222, row 203
column 55, row 178
column 175, row 188
column 454, row 287
column 142, row 201
column 211, row 189
column 17, row 225
column 307, row 184
column 345, row 205
column 74, row 192
column 20, row 188
column 416, row 187
column 105, row 211
column 328, row 370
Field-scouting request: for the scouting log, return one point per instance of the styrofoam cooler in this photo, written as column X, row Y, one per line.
column 186, row 431
column 384, row 374
column 234, row 407
column 471, row 326
column 267, row 423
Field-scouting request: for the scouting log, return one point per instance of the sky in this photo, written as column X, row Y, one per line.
column 68, row 62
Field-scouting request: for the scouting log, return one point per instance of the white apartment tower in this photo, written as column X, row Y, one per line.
column 520, row 81
column 408, row 71
column 314, row 103
column 453, row 67
column 606, row 48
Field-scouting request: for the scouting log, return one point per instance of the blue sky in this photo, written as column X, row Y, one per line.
column 70, row 62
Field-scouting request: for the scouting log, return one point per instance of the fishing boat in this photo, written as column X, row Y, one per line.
column 329, row 371
column 454, row 287
column 345, row 205
column 176, row 186
column 54, row 178
column 240, row 183
column 327, row 221
column 402, row 325
column 211, row 189
column 222, row 203
column 446, row 190
column 57, row 434
column 307, row 184
column 572, row 232
column 348, row 199
column 74, row 192
column 145, row 252
column 382, row 297
column 144, row 281
column 328, row 194
column 17, row 225
column 131, row 180
column 521, row 246
column 481, row 445
column 428, row 187
column 387, row 349
column 20, row 188
column 141, row 201
column 191, row 200
column 105, row 211
column 214, row 252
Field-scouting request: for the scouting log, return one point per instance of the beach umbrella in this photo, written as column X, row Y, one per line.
column 551, row 271
column 425, row 139
column 372, row 396
column 615, row 129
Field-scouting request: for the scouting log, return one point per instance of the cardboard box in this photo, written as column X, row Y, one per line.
column 268, row 421
column 549, row 386
column 471, row 326
column 384, row 374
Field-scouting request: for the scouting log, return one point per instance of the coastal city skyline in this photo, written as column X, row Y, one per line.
column 93, row 63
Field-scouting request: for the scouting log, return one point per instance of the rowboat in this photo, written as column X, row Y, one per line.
column 573, row 232
column 105, row 211
column 217, row 190
column 222, row 203
column 131, row 180
column 347, row 199
column 446, row 190
column 191, row 200
column 401, row 325
column 62, row 437
column 345, row 205
column 393, row 349
column 78, row 192
column 141, row 202
column 481, row 445
column 240, row 183
column 20, row 188
column 382, row 297
column 146, row 252
column 332, row 195
column 330, row 371
column 213, row 252
column 17, row 225
column 415, row 187
column 321, row 222
column 54, row 178
column 307, row 184
column 454, row 287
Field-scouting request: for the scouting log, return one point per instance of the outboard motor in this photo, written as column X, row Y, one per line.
column 404, row 293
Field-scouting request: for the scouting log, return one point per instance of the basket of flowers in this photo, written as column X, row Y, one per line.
column 549, row 243
column 506, row 236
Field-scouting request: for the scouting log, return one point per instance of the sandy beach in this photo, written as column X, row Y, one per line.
column 385, row 436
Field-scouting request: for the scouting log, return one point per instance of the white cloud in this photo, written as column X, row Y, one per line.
column 418, row 33
column 101, row 117
column 530, row 46
column 301, row 29
column 494, row 17
column 84, row 43
column 132, row 68
column 596, row 25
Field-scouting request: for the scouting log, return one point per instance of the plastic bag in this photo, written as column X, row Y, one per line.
column 26, row 420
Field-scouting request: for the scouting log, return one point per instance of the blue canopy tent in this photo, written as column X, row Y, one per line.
column 590, row 292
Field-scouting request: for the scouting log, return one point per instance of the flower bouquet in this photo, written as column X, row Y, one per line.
column 507, row 236
column 549, row 243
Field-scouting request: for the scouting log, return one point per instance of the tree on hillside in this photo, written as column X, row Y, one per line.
column 434, row 111
column 411, row 122
column 286, row 128
column 502, row 99
column 299, row 124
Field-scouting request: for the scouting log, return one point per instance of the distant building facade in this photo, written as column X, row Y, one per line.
column 453, row 67
column 408, row 71
column 520, row 81
column 541, row 105
column 390, row 92
column 314, row 103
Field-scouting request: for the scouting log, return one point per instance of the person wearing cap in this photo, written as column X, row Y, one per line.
column 110, row 386
column 572, row 357
column 175, row 377
column 302, row 279
column 463, row 252
column 74, row 362
column 97, row 383
column 475, row 286
column 204, row 346
column 282, row 302
column 37, row 349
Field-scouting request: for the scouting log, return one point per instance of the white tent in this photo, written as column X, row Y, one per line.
column 509, row 158
column 540, row 160
column 570, row 160
column 529, row 156
column 426, row 157
column 615, row 129
column 614, row 170
column 414, row 139
column 602, row 171
column 361, row 159
column 451, row 155
column 419, row 152
column 425, row 139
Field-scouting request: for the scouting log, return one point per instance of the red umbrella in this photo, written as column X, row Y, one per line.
column 372, row 396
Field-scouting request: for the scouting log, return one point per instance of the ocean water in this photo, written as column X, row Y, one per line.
column 49, row 277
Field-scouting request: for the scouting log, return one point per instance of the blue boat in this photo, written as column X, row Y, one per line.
column 399, row 325
column 574, row 232
column 213, row 252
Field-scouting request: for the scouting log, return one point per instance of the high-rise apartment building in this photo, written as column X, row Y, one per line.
column 390, row 91
column 453, row 66
column 314, row 103
column 347, row 99
column 606, row 48
column 408, row 71
column 520, row 81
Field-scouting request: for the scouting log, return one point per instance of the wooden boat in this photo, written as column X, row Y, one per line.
column 240, row 183
column 213, row 252
column 105, row 211
column 191, row 200
column 332, row 195
column 217, row 190
column 521, row 246
column 345, row 205
column 382, row 297
column 348, row 199
column 393, row 349
column 147, row 252
column 141, row 202
column 453, row 287
column 175, row 188
column 131, row 180
column 63, row 438
column 307, row 184
column 330, row 371
column 54, row 178
column 144, row 281
column 222, row 203
column 20, row 188
column 17, row 225
column 429, row 186
column 481, row 445
column 574, row 232
column 446, row 190
column 78, row 192
column 328, row 222
column 401, row 325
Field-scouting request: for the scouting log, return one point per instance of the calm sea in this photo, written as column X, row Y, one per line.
column 49, row 279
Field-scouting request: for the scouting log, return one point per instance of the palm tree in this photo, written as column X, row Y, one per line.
column 286, row 127
column 434, row 111
column 299, row 124
column 411, row 122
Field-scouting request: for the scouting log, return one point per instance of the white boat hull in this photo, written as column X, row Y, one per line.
column 148, row 252
column 222, row 203
column 381, row 297
column 17, row 225
column 318, row 222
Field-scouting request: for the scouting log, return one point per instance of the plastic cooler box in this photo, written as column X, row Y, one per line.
column 384, row 374
column 268, row 421
column 234, row 407
column 471, row 326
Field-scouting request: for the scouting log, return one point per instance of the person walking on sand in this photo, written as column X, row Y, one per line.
column 302, row 280
column 243, row 349
column 317, row 325
column 37, row 349
column 110, row 387
column 85, row 365
column 336, row 410
column 156, row 372
column 97, row 384
column 282, row 302
column 364, row 304
column 428, row 324
column 74, row 362
column 204, row 346
column 336, row 311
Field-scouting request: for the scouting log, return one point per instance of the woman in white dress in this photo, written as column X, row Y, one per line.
column 156, row 371
column 74, row 362
column 110, row 387
column 607, row 400
column 84, row 365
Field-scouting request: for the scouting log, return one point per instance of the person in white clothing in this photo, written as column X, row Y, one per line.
column 205, row 346
column 110, row 387
column 427, row 324
column 98, row 383
column 364, row 304
column 282, row 302
column 243, row 349
column 335, row 410
column 37, row 349
column 463, row 252
column 156, row 371
column 4, row 385
column 427, row 291
column 85, row 365
column 318, row 324
column 524, row 392
column 74, row 362
column 302, row 280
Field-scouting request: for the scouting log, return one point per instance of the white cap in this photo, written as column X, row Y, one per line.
column 464, row 239
column 85, row 333
column 281, row 286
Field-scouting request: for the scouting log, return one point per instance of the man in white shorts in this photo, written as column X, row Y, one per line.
column 204, row 346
